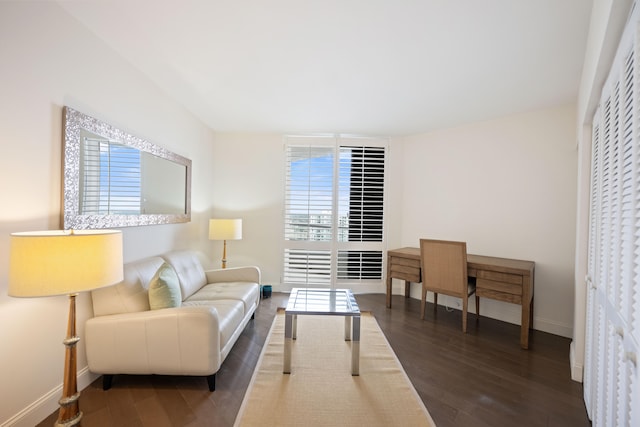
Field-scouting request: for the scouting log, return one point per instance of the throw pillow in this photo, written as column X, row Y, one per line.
column 164, row 289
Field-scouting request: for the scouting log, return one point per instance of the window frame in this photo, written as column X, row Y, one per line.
column 334, row 247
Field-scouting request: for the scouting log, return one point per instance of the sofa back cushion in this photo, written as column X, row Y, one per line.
column 130, row 295
column 164, row 289
column 188, row 267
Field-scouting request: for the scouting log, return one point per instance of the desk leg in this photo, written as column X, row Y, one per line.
column 531, row 314
column 527, row 313
column 524, row 328
column 527, row 323
column 355, row 347
column 407, row 290
column 288, row 331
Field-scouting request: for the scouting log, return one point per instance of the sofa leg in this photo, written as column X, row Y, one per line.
column 211, row 380
column 253, row 316
column 106, row 381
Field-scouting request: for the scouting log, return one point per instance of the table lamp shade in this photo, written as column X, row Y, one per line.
column 61, row 262
column 225, row 229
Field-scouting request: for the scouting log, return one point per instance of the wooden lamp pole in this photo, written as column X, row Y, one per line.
column 70, row 414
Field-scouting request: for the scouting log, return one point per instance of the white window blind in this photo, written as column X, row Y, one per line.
column 611, row 378
column 334, row 211
column 111, row 178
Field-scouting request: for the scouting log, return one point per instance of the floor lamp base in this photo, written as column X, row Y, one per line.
column 71, row 422
column 70, row 414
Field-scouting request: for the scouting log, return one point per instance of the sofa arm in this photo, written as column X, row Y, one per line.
column 237, row 274
column 172, row 341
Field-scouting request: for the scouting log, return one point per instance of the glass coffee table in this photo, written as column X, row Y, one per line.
column 328, row 302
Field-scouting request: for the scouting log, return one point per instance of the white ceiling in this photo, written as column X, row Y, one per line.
column 375, row 67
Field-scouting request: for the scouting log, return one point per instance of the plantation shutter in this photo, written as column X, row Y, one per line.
column 611, row 378
column 334, row 211
column 309, row 212
column 361, row 189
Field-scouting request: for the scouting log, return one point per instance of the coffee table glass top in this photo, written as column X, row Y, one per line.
column 339, row 302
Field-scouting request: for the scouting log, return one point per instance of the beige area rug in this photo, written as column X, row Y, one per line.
column 320, row 391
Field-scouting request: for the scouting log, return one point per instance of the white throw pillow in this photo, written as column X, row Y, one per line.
column 164, row 289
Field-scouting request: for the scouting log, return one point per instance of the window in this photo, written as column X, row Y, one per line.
column 334, row 211
column 111, row 178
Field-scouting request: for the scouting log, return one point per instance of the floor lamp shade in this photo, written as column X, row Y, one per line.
column 60, row 262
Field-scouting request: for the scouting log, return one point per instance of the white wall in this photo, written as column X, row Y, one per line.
column 248, row 183
column 507, row 187
column 48, row 61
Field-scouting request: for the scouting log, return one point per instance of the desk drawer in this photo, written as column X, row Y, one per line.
column 408, row 262
column 406, row 273
column 493, row 285
column 514, row 279
column 405, row 269
column 500, row 296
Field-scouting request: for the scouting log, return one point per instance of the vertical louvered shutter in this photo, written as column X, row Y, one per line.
column 361, row 207
column 309, row 212
column 611, row 378
column 334, row 210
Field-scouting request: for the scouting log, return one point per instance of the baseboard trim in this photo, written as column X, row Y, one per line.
column 37, row 411
column 577, row 370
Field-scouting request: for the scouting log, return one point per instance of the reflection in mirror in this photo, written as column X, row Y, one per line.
column 114, row 179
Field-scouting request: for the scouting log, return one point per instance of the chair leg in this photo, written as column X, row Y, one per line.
column 435, row 302
column 423, row 302
column 465, row 303
column 477, row 308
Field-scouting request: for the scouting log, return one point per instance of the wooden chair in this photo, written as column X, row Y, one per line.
column 444, row 271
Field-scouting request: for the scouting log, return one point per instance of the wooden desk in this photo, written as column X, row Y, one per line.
column 502, row 279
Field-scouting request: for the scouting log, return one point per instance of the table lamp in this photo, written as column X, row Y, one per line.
column 225, row 229
column 46, row 263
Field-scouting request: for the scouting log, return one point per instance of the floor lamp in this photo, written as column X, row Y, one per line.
column 46, row 263
column 225, row 229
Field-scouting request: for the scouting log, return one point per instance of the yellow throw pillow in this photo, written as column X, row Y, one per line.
column 164, row 289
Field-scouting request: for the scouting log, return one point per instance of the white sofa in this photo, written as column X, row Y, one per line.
column 127, row 337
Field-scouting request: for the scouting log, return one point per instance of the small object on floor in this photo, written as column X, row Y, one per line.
column 266, row 291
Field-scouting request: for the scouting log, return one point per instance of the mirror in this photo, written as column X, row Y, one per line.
column 115, row 179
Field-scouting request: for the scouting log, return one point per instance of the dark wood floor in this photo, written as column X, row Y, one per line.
column 479, row 379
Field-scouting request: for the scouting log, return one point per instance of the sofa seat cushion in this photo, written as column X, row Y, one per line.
column 230, row 315
column 248, row 293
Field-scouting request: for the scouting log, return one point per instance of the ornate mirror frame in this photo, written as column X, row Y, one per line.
column 74, row 124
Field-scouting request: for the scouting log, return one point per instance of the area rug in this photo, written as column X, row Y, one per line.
column 320, row 391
